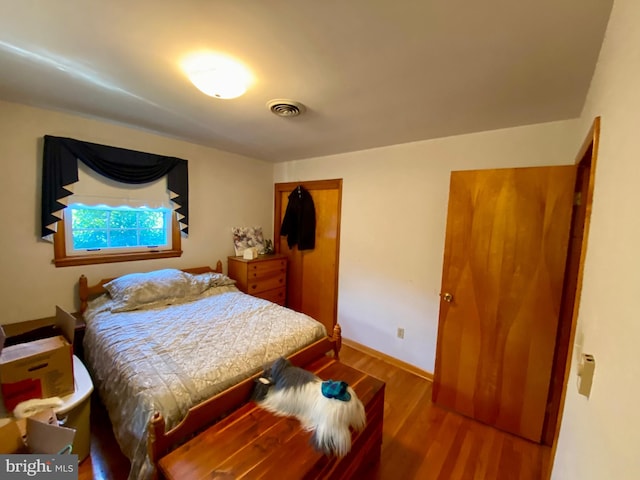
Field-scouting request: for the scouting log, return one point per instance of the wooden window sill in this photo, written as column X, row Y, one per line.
column 113, row 257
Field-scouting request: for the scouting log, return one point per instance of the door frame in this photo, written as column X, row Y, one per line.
column 569, row 309
column 310, row 185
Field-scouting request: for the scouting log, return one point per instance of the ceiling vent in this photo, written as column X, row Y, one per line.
column 285, row 108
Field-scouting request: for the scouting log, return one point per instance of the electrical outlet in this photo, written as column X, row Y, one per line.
column 400, row 332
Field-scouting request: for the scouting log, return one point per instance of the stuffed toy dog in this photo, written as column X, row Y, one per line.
column 326, row 408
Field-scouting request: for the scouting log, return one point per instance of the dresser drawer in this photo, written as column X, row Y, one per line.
column 260, row 270
column 277, row 295
column 262, row 284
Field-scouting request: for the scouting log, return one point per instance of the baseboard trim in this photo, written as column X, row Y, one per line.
column 391, row 360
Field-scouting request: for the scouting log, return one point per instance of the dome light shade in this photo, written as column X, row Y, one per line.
column 217, row 76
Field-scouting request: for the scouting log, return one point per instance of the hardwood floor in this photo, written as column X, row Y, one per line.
column 420, row 440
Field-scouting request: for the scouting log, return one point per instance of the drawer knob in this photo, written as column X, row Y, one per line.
column 254, row 286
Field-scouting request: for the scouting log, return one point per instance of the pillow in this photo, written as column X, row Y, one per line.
column 203, row 281
column 136, row 290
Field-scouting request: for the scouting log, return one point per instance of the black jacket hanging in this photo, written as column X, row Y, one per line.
column 299, row 223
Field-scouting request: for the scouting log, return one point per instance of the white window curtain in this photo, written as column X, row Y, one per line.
column 94, row 189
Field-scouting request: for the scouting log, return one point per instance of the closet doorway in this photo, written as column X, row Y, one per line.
column 312, row 275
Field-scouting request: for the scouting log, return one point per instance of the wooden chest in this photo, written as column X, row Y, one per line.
column 264, row 277
column 253, row 443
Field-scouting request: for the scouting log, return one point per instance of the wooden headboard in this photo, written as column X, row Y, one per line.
column 88, row 292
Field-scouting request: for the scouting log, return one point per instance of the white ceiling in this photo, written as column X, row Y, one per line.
column 370, row 72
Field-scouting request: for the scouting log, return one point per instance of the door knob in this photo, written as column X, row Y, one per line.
column 447, row 297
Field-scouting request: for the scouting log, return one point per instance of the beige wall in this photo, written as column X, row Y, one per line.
column 225, row 191
column 600, row 436
column 394, row 209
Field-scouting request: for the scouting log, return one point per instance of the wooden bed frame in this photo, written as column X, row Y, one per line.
column 208, row 412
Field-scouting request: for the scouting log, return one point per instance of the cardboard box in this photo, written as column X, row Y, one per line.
column 39, row 433
column 40, row 368
column 11, row 438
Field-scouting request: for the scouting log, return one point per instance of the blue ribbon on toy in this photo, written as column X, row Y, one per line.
column 336, row 389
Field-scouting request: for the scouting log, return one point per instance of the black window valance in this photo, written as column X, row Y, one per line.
column 60, row 169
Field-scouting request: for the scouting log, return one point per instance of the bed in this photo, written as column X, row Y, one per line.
column 160, row 344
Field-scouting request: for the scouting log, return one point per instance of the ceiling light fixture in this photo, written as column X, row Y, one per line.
column 216, row 75
column 285, row 108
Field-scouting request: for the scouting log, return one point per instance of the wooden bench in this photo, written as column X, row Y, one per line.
column 253, row 443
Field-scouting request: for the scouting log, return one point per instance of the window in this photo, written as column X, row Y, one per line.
column 101, row 234
column 72, row 169
column 107, row 221
column 102, row 229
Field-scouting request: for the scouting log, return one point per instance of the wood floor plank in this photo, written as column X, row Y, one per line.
column 421, row 440
column 459, row 468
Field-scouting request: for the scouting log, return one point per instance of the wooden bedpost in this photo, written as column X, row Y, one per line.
column 337, row 339
column 156, row 443
column 219, row 266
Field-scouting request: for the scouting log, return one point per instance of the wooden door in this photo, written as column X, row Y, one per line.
column 504, row 260
column 312, row 275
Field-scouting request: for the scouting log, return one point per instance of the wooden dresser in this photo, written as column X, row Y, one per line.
column 264, row 277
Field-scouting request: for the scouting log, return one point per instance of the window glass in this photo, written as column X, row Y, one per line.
column 103, row 229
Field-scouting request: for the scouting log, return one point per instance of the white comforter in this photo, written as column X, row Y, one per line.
column 172, row 358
